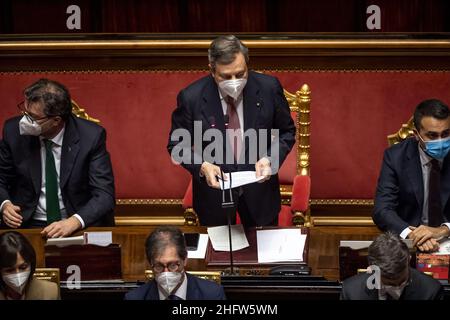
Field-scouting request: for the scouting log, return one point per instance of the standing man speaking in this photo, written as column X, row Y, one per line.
column 245, row 125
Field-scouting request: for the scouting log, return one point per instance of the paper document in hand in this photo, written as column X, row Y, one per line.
column 219, row 238
column 238, row 179
column 201, row 248
column 280, row 245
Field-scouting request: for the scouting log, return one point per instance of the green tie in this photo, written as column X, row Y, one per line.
column 51, row 185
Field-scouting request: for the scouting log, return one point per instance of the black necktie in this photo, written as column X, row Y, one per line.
column 434, row 195
column 174, row 297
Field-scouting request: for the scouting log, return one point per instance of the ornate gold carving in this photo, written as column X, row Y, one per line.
column 49, row 274
column 405, row 132
column 344, row 202
column 81, row 113
column 170, row 202
column 190, row 217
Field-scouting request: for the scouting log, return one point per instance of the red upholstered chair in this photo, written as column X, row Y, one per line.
column 301, row 191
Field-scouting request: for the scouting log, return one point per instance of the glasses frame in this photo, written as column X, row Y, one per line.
column 160, row 267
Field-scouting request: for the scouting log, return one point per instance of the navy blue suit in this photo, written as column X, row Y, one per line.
column 86, row 176
column 264, row 107
column 197, row 289
column 400, row 195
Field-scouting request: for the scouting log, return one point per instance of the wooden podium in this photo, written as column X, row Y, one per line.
column 95, row 262
column 246, row 260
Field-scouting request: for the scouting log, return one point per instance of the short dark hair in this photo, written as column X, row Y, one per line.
column 390, row 254
column 11, row 243
column 54, row 96
column 430, row 108
column 223, row 50
column 163, row 237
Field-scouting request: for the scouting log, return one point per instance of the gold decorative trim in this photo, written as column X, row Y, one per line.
column 182, row 45
column 343, row 221
column 344, row 202
column 49, row 274
column 149, row 220
column 149, row 201
column 405, row 132
column 81, row 112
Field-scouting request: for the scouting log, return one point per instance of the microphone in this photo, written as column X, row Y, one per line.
column 228, row 206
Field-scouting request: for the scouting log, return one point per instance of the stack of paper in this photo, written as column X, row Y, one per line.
column 280, row 245
column 62, row 242
column 98, row 238
column 238, row 179
column 201, row 248
column 220, row 239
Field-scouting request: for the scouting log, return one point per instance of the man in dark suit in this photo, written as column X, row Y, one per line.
column 393, row 278
column 55, row 171
column 245, row 118
column 167, row 255
column 414, row 184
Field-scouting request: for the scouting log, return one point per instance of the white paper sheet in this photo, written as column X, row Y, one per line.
column 238, row 179
column 200, row 253
column 220, row 240
column 444, row 247
column 99, row 238
column 62, row 242
column 280, row 245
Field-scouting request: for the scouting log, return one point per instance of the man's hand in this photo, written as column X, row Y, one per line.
column 61, row 228
column 210, row 172
column 262, row 168
column 424, row 236
column 11, row 215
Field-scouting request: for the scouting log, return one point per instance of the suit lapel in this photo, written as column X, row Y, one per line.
column 69, row 152
column 192, row 292
column 414, row 169
column 152, row 293
column 445, row 182
column 252, row 106
column 212, row 107
column 33, row 154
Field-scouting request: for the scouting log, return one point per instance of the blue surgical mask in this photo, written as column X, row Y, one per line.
column 437, row 149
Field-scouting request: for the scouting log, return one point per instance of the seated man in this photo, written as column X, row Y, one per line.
column 167, row 255
column 55, row 172
column 393, row 278
column 414, row 184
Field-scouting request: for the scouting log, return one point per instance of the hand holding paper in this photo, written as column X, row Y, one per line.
column 238, row 179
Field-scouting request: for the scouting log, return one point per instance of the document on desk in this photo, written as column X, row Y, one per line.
column 444, row 247
column 62, row 242
column 280, row 245
column 220, row 240
column 238, row 179
column 200, row 253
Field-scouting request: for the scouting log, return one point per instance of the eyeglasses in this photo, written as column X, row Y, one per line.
column 23, row 109
column 171, row 266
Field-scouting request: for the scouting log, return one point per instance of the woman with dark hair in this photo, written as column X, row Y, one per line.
column 17, row 266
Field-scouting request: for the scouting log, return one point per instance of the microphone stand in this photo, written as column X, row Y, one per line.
column 228, row 206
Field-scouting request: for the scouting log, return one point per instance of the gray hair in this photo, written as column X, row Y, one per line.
column 162, row 238
column 53, row 95
column 390, row 254
column 223, row 50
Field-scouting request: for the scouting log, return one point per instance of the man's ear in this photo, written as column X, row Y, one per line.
column 185, row 262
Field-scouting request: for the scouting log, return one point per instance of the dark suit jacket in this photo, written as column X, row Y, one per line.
column 197, row 289
column 86, row 176
column 265, row 107
column 421, row 287
column 399, row 195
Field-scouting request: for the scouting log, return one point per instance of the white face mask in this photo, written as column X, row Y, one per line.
column 233, row 88
column 168, row 281
column 16, row 281
column 27, row 128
